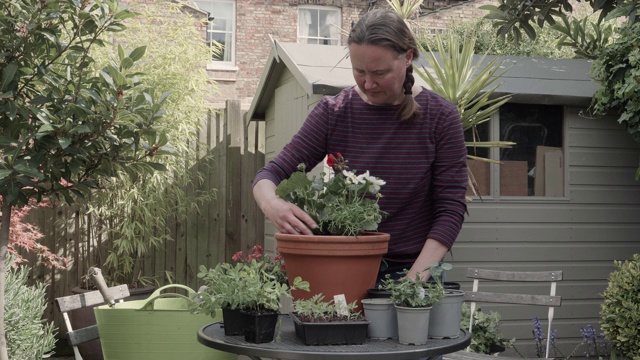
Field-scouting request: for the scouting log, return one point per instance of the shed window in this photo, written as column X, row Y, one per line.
column 534, row 166
column 221, row 30
column 319, row 25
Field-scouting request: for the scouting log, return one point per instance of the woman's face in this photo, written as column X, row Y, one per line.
column 379, row 73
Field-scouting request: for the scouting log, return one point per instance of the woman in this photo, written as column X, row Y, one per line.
column 402, row 133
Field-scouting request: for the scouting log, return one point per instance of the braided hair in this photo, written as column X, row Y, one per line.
column 384, row 27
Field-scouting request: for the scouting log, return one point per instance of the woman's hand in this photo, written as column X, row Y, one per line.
column 287, row 217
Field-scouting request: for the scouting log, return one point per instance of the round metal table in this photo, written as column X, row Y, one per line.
column 288, row 346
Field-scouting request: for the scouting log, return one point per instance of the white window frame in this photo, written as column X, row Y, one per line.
column 304, row 38
column 222, row 64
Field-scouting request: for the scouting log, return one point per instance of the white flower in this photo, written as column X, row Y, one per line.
column 351, row 177
column 375, row 183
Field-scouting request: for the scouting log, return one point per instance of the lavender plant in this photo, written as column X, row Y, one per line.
column 595, row 342
column 541, row 341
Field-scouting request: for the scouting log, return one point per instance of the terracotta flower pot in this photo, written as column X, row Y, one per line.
column 333, row 264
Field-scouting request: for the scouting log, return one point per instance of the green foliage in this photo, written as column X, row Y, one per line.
column 405, row 8
column 620, row 312
column 617, row 69
column 28, row 336
column 339, row 205
column 315, row 309
column 584, row 36
column 66, row 124
column 250, row 286
column 416, row 293
column 486, row 41
column 514, row 17
column 485, row 332
column 132, row 215
column 467, row 85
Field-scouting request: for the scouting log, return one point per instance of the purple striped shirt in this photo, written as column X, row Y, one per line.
column 423, row 163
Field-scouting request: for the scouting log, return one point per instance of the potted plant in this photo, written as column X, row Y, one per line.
column 221, row 285
column 413, row 299
column 486, row 337
column 253, row 287
column 345, row 207
column 319, row 322
column 447, row 313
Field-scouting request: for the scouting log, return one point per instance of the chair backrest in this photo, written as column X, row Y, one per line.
column 88, row 299
column 551, row 300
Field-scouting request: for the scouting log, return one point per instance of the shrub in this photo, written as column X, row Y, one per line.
column 621, row 308
column 485, row 335
column 488, row 43
column 28, row 337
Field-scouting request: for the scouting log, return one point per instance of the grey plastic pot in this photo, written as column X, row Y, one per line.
column 413, row 325
column 382, row 316
column 446, row 315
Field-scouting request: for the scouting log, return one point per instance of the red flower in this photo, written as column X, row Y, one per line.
column 237, row 256
column 331, row 160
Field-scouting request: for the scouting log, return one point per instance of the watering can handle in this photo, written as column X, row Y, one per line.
column 96, row 275
column 149, row 305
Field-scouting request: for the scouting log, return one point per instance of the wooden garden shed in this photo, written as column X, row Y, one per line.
column 566, row 199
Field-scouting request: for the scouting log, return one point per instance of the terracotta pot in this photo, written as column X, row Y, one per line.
column 333, row 264
column 83, row 317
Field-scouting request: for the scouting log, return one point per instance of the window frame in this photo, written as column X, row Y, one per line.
column 222, row 64
column 494, row 169
column 324, row 8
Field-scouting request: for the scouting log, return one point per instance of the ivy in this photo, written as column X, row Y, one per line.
column 617, row 69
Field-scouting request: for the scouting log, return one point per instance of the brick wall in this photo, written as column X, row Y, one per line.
column 257, row 19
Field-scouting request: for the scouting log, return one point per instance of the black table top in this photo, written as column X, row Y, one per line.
column 288, row 346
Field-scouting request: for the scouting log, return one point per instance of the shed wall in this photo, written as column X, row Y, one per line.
column 581, row 235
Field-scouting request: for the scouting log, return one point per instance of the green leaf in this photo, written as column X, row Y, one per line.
column 5, row 140
column 8, row 73
column 64, row 142
column 11, row 110
column 157, row 166
column 28, row 171
column 5, row 173
column 39, row 100
column 138, row 53
column 126, row 63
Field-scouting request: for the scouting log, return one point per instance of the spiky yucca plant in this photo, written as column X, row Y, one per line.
column 468, row 85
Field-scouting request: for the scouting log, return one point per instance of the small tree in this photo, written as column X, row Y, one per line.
column 65, row 127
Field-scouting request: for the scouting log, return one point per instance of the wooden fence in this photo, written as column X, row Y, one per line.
column 230, row 223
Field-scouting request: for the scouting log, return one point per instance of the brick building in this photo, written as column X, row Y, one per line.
column 245, row 28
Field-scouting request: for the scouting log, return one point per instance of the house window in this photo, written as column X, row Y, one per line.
column 221, row 29
column 319, row 25
column 534, row 166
